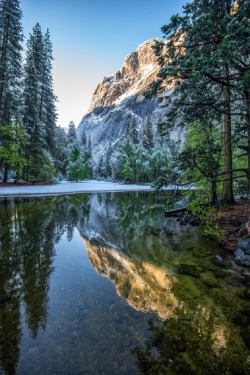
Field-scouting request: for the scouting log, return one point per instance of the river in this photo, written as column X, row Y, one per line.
column 104, row 283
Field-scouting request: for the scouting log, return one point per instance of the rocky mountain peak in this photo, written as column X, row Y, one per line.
column 118, row 104
column 138, row 70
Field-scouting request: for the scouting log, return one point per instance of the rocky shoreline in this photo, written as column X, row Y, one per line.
column 230, row 220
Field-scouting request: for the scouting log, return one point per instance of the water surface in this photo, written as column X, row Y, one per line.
column 82, row 275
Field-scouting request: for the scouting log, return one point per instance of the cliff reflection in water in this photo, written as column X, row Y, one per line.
column 146, row 256
column 156, row 265
column 145, row 287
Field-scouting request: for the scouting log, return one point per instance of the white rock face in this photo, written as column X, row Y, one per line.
column 138, row 70
column 119, row 99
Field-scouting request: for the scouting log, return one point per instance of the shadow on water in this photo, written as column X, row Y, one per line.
column 201, row 310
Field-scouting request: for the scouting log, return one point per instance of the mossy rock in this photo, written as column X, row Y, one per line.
column 189, row 270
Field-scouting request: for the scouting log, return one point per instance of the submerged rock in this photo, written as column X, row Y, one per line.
column 246, row 337
column 234, row 280
column 244, row 244
column 245, row 294
column 242, row 259
column 192, row 220
column 243, row 318
column 218, row 261
column 210, row 282
column 221, row 274
column 188, row 269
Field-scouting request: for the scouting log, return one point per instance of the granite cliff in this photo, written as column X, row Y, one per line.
column 118, row 100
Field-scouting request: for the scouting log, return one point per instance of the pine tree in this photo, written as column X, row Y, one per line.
column 133, row 131
column 78, row 165
column 48, row 99
column 159, row 162
column 10, row 64
column 39, row 103
column 126, row 157
column 148, row 137
column 71, row 134
column 10, row 60
column 199, row 62
column 32, row 102
column 60, row 152
column 83, row 140
column 101, row 170
column 12, row 151
column 141, row 163
column 104, row 165
column 88, row 159
column 236, row 46
column 201, row 157
column 108, row 160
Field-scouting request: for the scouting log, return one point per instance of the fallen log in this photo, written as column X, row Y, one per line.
column 176, row 211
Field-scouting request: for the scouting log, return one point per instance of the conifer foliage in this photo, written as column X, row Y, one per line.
column 10, row 59
column 78, row 156
column 29, row 137
column 10, row 73
column 39, row 105
column 141, row 156
column 207, row 60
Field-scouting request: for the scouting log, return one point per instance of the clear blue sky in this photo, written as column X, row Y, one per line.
column 90, row 39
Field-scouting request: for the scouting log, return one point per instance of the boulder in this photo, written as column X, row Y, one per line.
column 218, row 261
column 244, row 244
column 242, row 259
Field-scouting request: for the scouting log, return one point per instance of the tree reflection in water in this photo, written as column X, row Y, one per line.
column 161, row 268
column 29, row 230
column 177, row 347
column 131, row 243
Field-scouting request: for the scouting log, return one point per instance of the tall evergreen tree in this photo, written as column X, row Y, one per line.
column 48, row 99
column 236, row 46
column 78, row 166
column 32, row 101
column 200, row 158
column 199, row 61
column 148, row 137
column 83, row 139
column 39, row 103
column 60, row 153
column 12, row 152
column 10, row 59
column 133, row 131
column 10, row 64
column 71, row 134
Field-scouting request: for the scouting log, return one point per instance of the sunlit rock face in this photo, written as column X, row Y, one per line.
column 118, row 101
column 138, row 70
column 145, row 287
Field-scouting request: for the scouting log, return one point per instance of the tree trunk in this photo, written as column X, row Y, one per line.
column 214, row 198
column 5, row 175
column 247, row 95
column 227, row 193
